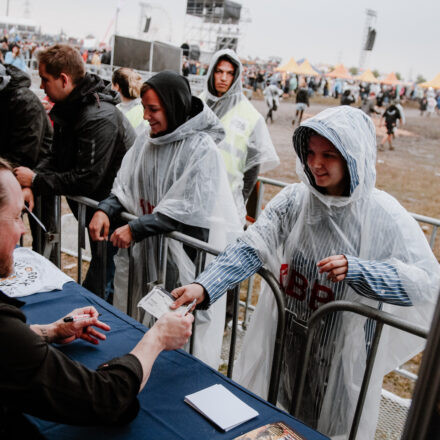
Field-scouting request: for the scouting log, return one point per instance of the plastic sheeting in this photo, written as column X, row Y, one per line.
column 301, row 226
column 182, row 176
column 243, row 125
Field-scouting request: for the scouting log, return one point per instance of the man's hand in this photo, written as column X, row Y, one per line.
column 28, row 196
column 122, row 237
column 24, row 176
column 336, row 267
column 62, row 332
column 99, row 226
column 186, row 294
column 173, row 330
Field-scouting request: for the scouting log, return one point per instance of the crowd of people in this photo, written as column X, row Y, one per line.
column 189, row 164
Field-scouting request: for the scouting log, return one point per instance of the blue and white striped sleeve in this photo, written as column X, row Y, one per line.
column 236, row 263
column 377, row 280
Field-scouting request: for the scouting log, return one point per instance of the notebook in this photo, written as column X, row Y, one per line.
column 221, row 407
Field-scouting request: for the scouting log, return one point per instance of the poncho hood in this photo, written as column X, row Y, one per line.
column 205, row 121
column 236, row 88
column 353, row 134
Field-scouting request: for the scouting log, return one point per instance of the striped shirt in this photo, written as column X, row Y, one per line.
column 373, row 279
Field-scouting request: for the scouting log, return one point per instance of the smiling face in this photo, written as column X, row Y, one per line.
column 327, row 165
column 223, row 77
column 154, row 112
column 11, row 224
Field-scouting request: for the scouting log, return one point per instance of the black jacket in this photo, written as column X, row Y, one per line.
column 25, row 130
column 91, row 137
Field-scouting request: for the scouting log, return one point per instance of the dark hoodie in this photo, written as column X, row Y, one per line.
column 91, row 137
column 25, row 130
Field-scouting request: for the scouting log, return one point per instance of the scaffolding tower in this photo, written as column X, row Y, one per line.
column 214, row 24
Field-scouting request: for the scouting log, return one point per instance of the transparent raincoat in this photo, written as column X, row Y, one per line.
column 300, row 227
column 247, row 141
column 180, row 175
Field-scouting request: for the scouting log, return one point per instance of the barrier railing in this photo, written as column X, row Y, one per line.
column 382, row 318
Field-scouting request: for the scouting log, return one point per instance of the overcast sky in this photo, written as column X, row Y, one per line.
column 408, row 32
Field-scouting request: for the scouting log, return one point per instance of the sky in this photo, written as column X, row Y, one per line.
column 329, row 32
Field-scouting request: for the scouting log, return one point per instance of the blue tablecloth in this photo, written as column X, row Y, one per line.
column 163, row 414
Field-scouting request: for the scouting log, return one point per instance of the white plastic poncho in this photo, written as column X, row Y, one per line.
column 300, row 227
column 247, row 143
column 182, row 176
column 272, row 95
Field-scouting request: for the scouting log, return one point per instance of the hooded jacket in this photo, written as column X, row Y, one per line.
column 247, row 144
column 390, row 267
column 25, row 130
column 91, row 137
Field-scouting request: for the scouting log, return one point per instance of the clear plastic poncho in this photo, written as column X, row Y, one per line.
column 247, row 143
column 300, row 227
column 182, row 176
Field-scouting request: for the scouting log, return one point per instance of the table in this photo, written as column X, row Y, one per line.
column 163, row 414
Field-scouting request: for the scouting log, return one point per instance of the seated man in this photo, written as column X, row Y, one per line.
column 40, row 380
column 332, row 237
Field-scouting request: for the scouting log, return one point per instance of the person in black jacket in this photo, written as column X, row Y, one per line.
column 91, row 137
column 38, row 379
column 26, row 132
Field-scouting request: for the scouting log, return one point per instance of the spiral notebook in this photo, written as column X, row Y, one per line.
column 221, row 407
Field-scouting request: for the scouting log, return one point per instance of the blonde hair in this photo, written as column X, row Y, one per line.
column 129, row 82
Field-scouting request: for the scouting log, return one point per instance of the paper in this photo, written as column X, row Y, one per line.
column 158, row 302
column 220, row 406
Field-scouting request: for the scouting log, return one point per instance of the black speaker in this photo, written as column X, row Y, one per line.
column 147, row 24
column 370, row 39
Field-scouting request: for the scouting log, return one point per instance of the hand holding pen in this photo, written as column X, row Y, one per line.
column 80, row 324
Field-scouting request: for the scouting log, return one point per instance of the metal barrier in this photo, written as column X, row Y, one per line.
column 381, row 318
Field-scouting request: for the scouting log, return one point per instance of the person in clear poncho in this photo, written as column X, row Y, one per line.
column 247, row 149
column 332, row 237
column 173, row 179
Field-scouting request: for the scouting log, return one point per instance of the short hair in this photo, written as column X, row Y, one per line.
column 128, row 81
column 62, row 58
column 4, row 166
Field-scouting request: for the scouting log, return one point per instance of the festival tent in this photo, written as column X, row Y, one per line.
column 368, row 77
column 290, row 67
column 306, row 69
column 434, row 83
column 340, row 71
column 391, row 80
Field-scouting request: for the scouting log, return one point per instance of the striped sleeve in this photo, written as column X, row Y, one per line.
column 238, row 262
column 377, row 280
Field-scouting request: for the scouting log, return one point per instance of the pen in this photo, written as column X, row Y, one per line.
column 77, row 317
column 190, row 306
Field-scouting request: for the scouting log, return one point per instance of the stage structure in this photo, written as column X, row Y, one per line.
column 368, row 38
column 214, row 24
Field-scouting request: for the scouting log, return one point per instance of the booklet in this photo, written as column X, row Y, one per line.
column 158, row 302
column 221, row 407
column 272, row 431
